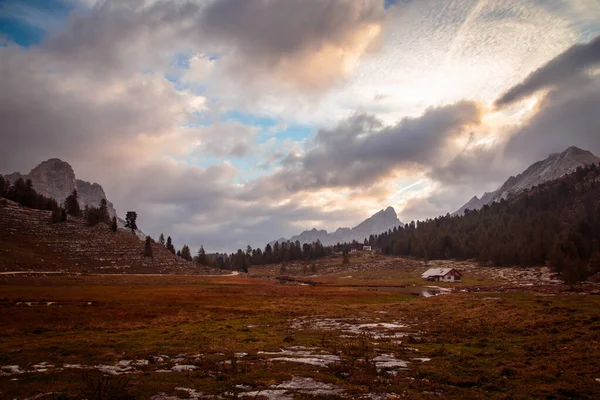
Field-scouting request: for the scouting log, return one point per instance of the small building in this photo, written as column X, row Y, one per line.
column 442, row 275
column 360, row 247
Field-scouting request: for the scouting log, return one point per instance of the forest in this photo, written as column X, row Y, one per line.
column 557, row 222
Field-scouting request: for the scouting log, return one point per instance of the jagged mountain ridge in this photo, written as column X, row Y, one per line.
column 555, row 166
column 375, row 224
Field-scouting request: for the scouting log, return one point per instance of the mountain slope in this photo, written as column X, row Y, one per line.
column 554, row 167
column 30, row 241
column 379, row 222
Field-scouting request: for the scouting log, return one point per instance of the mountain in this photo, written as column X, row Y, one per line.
column 56, row 179
column 554, row 167
column 377, row 223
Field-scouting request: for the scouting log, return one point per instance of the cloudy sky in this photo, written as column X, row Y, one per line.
column 234, row 122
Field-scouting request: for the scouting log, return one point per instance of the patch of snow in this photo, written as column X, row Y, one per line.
column 184, row 368
column 192, row 393
column 387, row 362
column 11, row 369
column 113, row 369
column 302, row 357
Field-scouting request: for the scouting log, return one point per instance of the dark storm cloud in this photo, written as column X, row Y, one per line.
column 563, row 67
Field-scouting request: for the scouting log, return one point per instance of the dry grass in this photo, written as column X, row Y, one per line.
column 518, row 345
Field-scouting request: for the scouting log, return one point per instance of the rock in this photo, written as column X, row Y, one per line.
column 56, row 179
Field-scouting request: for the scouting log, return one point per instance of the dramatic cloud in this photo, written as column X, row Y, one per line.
column 566, row 66
column 360, row 150
column 306, row 43
column 567, row 116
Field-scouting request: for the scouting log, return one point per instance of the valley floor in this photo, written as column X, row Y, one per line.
column 502, row 333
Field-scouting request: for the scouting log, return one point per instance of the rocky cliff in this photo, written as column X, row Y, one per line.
column 56, row 179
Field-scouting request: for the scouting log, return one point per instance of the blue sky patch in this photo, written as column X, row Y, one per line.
column 27, row 22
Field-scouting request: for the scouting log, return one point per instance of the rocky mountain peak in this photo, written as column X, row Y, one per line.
column 553, row 167
column 55, row 178
column 377, row 223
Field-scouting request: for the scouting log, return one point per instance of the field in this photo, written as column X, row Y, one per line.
column 171, row 337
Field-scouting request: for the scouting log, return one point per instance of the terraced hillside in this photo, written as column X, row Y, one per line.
column 29, row 241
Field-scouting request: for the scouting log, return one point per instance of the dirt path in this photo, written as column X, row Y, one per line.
column 233, row 273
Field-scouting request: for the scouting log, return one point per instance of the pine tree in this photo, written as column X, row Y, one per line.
column 130, row 221
column 161, row 239
column 72, row 204
column 3, row 186
column 186, row 254
column 103, row 215
column 148, row 247
column 170, row 246
column 113, row 225
column 201, row 259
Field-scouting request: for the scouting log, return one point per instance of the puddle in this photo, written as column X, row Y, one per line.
column 387, row 362
column 421, row 291
column 302, row 357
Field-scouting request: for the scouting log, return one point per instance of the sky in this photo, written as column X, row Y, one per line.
column 225, row 123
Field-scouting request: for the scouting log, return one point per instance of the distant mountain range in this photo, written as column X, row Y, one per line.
column 554, row 167
column 377, row 223
column 56, row 179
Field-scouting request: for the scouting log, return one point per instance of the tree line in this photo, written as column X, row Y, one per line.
column 557, row 223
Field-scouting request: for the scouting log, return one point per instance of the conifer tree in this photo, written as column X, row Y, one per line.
column 161, row 239
column 103, row 215
column 72, row 204
column 201, row 259
column 3, row 186
column 130, row 221
column 113, row 225
column 186, row 253
column 148, row 247
column 170, row 246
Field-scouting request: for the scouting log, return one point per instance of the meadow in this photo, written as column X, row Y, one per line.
column 171, row 337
